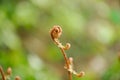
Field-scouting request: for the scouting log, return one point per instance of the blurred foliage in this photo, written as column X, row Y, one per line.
column 91, row 26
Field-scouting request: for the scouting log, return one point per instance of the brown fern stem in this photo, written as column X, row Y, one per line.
column 67, row 63
column 2, row 73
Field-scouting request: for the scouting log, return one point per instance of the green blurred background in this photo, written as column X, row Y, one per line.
column 91, row 26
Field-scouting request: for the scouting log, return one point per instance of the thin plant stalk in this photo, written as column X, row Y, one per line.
column 67, row 63
column 2, row 73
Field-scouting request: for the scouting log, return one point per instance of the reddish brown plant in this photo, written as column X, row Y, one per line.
column 6, row 76
column 55, row 33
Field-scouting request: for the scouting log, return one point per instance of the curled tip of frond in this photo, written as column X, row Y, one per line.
column 71, row 59
column 82, row 73
column 56, row 32
column 67, row 46
column 70, row 62
column 17, row 78
column 9, row 71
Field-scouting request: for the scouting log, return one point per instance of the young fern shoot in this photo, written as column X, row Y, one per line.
column 6, row 76
column 55, row 33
